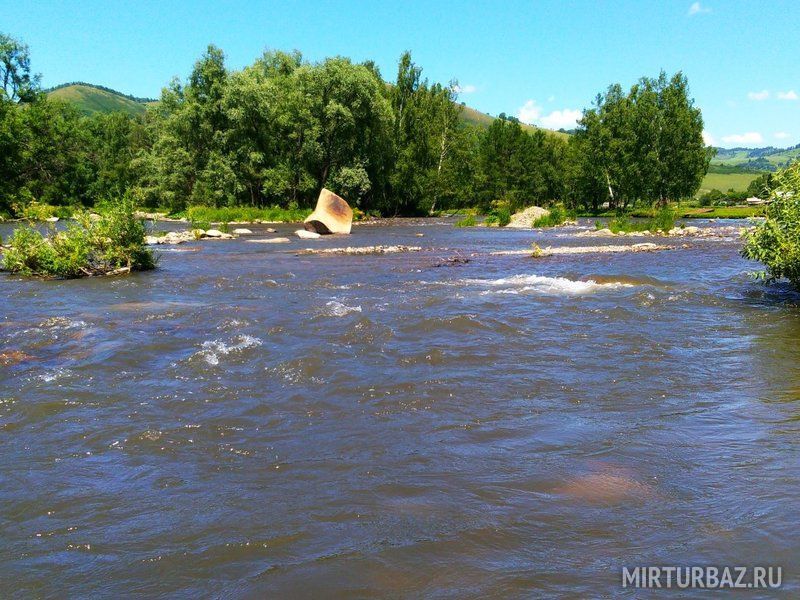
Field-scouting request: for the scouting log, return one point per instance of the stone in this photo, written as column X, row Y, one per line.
column 52, row 219
column 306, row 235
column 271, row 230
column 214, row 233
column 275, row 240
column 331, row 215
column 242, row 231
column 524, row 219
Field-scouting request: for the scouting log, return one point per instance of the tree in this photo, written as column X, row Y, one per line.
column 776, row 242
column 15, row 70
column 646, row 145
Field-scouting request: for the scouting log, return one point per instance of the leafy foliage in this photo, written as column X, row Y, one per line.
column 776, row 242
column 274, row 133
column 112, row 243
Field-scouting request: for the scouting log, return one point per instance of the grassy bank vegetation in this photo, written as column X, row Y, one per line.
column 558, row 216
column 110, row 244
column 661, row 220
column 245, row 214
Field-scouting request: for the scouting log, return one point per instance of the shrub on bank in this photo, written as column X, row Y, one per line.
column 468, row 221
column 248, row 214
column 112, row 243
column 558, row 216
column 662, row 220
column 776, row 242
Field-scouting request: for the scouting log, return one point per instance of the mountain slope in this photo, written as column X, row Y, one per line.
column 91, row 99
column 479, row 119
column 757, row 159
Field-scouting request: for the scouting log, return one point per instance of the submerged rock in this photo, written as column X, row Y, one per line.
column 306, row 235
column 331, row 215
column 13, row 357
column 275, row 240
column 362, row 250
column 538, row 252
column 217, row 235
column 525, row 218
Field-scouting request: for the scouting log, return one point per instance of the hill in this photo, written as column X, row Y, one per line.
column 479, row 119
column 90, row 99
column 756, row 159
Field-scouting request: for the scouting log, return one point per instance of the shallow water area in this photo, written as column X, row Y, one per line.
column 249, row 422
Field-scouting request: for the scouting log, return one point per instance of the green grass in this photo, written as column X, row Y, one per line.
column 557, row 216
column 723, row 212
column 661, row 220
column 468, row 221
column 90, row 100
column 245, row 214
column 726, row 181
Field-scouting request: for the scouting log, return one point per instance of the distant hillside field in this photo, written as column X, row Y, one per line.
column 90, row 100
column 757, row 159
column 726, row 181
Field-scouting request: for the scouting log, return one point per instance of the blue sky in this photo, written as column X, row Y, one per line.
column 540, row 60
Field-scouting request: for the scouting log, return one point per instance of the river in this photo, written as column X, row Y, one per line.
column 246, row 422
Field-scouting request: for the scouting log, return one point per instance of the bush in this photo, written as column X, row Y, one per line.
column 776, row 242
column 249, row 214
column 468, row 221
column 663, row 220
column 113, row 243
column 558, row 216
column 37, row 211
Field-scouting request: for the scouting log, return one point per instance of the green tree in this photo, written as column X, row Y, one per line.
column 15, row 70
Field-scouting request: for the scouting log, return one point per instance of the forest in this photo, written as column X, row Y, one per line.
column 277, row 131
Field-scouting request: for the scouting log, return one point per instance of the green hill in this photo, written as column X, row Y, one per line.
column 476, row 117
column 756, row 159
column 90, row 99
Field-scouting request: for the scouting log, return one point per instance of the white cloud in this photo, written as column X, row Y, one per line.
column 561, row 119
column 708, row 139
column 466, row 89
column 762, row 95
column 751, row 137
column 696, row 8
column 529, row 112
column 780, row 135
column 790, row 95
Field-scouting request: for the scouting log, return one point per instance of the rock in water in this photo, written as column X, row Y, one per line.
column 332, row 215
column 525, row 218
column 242, row 231
column 306, row 235
column 275, row 240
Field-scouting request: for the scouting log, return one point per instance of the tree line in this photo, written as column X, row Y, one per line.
column 275, row 132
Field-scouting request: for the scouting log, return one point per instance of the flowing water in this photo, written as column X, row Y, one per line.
column 246, row 422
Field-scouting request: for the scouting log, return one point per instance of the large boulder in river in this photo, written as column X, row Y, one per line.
column 524, row 219
column 332, row 215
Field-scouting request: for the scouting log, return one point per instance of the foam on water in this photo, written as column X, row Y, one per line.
column 545, row 285
column 334, row 308
column 213, row 349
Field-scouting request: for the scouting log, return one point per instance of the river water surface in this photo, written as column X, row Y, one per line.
column 245, row 422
